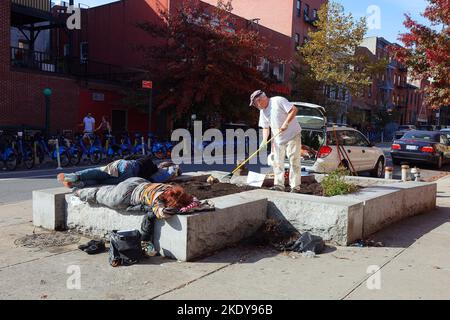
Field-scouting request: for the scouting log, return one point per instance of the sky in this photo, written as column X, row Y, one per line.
column 386, row 16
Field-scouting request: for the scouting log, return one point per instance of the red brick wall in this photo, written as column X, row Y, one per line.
column 21, row 98
column 137, row 120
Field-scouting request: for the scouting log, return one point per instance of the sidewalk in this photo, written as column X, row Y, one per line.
column 415, row 264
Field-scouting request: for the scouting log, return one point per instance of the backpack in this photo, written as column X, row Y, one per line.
column 125, row 247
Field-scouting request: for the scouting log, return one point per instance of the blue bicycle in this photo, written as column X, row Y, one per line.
column 25, row 152
column 43, row 149
column 91, row 148
column 159, row 149
column 139, row 144
column 125, row 145
column 112, row 150
column 7, row 153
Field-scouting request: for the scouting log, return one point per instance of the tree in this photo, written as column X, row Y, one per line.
column 306, row 88
column 331, row 51
column 426, row 51
column 200, row 62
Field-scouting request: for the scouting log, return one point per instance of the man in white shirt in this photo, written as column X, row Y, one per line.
column 278, row 114
column 89, row 125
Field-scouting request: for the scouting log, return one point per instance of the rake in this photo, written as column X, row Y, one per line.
column 230, row 175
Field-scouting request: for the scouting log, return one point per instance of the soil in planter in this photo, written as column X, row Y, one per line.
column 203, row 190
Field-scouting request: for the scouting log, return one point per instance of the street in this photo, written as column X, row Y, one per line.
column 18, row 185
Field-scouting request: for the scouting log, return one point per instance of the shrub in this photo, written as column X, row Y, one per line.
column 334, row 184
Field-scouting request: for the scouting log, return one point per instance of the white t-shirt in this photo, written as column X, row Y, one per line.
column 275, row 115
column 89, row 123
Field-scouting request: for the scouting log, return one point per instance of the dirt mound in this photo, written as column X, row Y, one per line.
column 204, row 190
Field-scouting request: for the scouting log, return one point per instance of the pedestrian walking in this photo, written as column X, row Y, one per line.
column 89, row 126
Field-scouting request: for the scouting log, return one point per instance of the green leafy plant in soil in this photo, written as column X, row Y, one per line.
column 334, row 184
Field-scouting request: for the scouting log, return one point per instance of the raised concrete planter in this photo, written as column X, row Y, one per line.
column 336, row 220
column 341, row 219
column 186, row 237
column 48, row 208
column 386, row 204
column 182, row 237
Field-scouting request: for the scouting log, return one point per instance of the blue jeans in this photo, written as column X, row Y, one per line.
column 96, row 176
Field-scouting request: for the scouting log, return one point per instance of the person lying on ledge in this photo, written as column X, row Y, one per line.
column 119, row 171
column 157, row 200
column 137, row 194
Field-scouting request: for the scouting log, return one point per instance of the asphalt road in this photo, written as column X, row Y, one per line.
column 18, row 185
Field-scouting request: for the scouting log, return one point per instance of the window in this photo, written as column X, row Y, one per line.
column 281, row 68
column 315, row 14
column 83, row 52
column 354, row 138
column 299, row 8
column 307, row 10
column 264, row 66
column 297, row 40
column 369, row 92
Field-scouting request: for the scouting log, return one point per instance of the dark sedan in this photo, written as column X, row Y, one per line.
column 421, row 146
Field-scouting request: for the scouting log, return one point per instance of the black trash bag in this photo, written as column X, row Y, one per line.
column 147, row 227
column 125, row 248
column 306, row 242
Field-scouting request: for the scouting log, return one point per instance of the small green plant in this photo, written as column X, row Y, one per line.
column 334, row 184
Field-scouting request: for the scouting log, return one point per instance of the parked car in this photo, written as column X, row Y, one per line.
column 447, row 132
column 426, row 128
column 430, row 147
column 402, row 130
column 319, row 149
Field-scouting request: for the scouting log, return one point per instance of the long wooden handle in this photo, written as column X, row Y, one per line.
column 254, row 154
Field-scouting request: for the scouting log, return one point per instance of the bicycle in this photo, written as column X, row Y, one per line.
column 93, row 151
column 42, row 149
column 139, row 147
column 111, row 150
column 7, row 153
column 159, row 149
column 125, row 146
column 24, row 150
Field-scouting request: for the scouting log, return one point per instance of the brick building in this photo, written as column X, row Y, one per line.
column 88, row 68
column 77, row 88
column 290, row 18
column 391, row 89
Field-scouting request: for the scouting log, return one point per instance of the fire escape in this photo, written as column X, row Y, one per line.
column 32, row 18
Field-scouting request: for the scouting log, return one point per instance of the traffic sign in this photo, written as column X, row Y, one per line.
column 147, row 84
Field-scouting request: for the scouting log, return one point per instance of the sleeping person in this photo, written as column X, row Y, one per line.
column 119, row 171
column 158, row 200
column 137, row 194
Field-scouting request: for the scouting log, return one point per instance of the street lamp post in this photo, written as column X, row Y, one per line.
column 47, row 94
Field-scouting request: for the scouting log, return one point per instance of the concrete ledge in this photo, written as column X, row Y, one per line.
column 386, row 204
column 182, row 237
column 186, row 237
column 49, row 208
column 335, row 220
column 98, row 221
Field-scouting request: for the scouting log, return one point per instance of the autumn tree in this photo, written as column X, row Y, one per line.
column 202, row 61
column 426, row 51
column 331, row 51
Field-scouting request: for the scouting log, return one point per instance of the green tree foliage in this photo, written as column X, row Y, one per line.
column 426, row 51
column 331, row 52
column 203, row 61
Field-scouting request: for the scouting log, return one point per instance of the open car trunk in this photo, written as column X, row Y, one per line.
column 313, row 121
